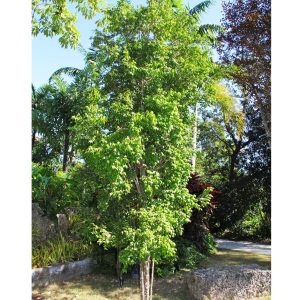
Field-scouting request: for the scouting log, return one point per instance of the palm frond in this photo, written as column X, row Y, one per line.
column 210, row 29
column 33, row 91
column 201, row 7
column 70, row 71
column 58, row 82
column 82, row 50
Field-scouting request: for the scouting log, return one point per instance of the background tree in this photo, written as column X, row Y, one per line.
column 234, row 157
column 54, row 106
column 246, row 43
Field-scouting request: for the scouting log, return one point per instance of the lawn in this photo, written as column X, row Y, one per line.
column 103, row 286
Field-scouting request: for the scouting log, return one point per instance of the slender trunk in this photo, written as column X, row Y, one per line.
column 118, row 268
column 142, row 287
column 145, row 280
column 152, row 279
column 195, row 130
column 71, row 155
column 33, row 138
column 265, row 114
column 66, row 150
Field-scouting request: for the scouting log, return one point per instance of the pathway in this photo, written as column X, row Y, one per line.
column 244, row 246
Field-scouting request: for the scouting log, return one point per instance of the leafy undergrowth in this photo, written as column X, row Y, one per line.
column 104, row 287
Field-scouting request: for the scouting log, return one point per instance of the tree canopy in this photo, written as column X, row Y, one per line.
column 56, row 18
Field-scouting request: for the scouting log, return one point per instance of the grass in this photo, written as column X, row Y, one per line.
column 59, row 250
column 105, row 287
column 229, row 257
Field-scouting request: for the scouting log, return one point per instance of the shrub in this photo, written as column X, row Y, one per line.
column 188, row 256
column 254, row 225
column 49, row 189
column 197, row 230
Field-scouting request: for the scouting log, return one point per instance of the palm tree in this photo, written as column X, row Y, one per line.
column 209, row 31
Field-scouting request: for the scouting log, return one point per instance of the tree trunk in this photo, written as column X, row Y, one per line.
column 233, row 160
column 152, row 279
column 66, row 149
column 118, row 268
column 142, row 286
column 146, row 280
column 195, row 130
column 265, row 114
column 33, row 138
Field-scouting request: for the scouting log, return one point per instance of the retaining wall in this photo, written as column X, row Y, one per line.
column 44, row 276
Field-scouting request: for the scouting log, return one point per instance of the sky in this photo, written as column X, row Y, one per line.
column 48, row 55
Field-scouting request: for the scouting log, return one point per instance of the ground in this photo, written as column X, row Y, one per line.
column 105, row 287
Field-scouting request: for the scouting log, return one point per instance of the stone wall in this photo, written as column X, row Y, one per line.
column 44, row 276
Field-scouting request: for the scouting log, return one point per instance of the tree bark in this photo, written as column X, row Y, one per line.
column 152, row 279
column 195, row 130
column 66, row 150
column 265, row 113
column 146, row 280
column 233, row 160
column 142, row 287
column 33, row 138
column 118, row 268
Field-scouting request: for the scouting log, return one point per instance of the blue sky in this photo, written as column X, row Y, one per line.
column 48, row 55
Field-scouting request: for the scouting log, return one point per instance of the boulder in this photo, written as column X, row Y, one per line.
column 229, row 282
column 43, row 229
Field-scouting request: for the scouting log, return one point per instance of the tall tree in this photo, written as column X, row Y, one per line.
column 209, row 31
column 246, row 43
column 152, row 63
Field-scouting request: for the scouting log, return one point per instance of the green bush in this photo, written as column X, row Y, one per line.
column 253, row 226
column 49, row 189
column 60, row 250
column 209, row 244
column 188, row 256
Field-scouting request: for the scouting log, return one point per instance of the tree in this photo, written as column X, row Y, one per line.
column 234, row 157
column 208, row 31
column 54, row 106
column 54, row 18
column 152, row 64
column 246, row 43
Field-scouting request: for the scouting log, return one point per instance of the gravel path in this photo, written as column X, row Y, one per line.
column 244, row 246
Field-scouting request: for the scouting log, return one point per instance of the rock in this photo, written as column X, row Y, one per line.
column 63, row 223
column 43, row 229
column 229, row 282
column 44, row 276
